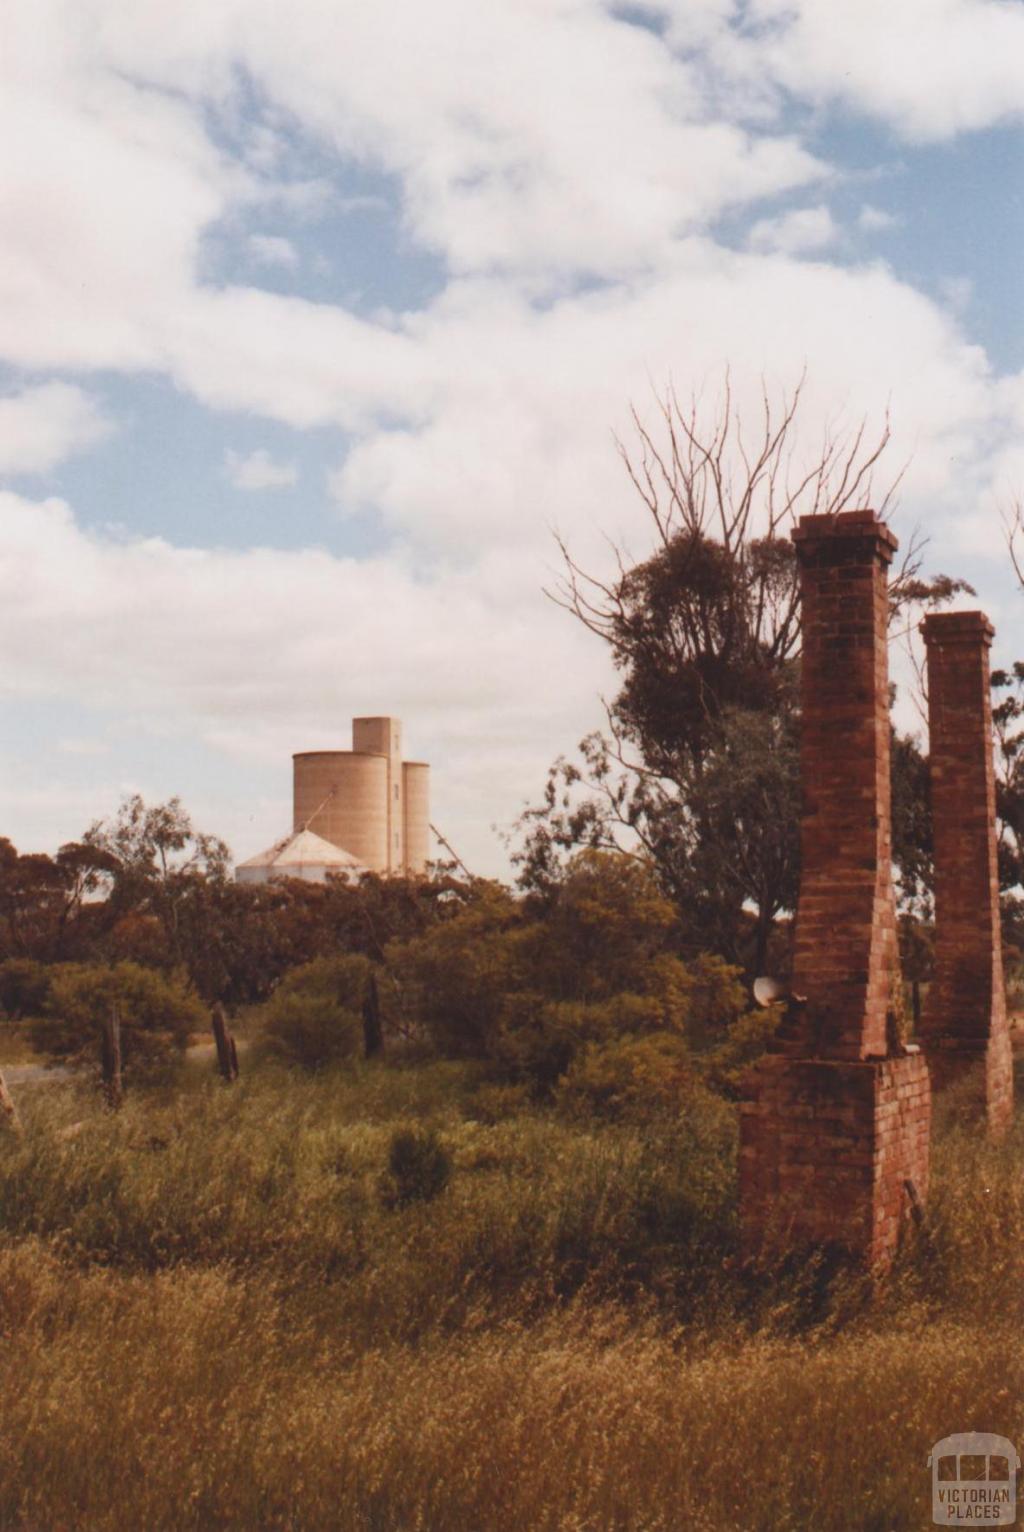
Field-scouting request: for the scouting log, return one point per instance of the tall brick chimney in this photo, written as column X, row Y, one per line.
column 964, row 1028
column 834, row 1135
column 846, row 956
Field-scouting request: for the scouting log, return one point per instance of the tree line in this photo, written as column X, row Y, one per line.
column 661, row 864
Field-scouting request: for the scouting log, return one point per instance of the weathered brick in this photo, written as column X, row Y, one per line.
column 835, row 1129
column 964, row 1028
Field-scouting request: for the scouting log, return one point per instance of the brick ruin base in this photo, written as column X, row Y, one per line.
column 827, row 1149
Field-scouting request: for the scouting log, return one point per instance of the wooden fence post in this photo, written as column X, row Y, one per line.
column 8, row 1111
column 112, row 1087
column 227, row 1053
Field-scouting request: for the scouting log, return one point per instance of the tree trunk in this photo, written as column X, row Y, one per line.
column 112, row 1087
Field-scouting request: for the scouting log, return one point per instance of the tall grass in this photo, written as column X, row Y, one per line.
column 212, row 1317
column 284, row 1175
column 198, row 1399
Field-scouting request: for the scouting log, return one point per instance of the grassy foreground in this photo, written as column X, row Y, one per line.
column 210, row 1316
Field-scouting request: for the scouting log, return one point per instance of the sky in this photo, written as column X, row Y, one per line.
column 319, row 321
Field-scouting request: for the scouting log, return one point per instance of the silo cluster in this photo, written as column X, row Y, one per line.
column 353, row 811
column 367, row 800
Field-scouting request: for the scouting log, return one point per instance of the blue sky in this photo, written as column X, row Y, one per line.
column 313, row 326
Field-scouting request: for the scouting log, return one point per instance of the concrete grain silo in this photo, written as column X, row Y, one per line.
column 384, row 736
column 366, row 800
column 343, row 797
column 416, row 800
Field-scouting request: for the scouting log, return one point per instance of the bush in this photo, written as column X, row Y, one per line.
column 419, row 1167
column 744, row 1042
column 310, row 1029
column 315, row 1016
column 538, row 1039
column 629, row 1077
column 453, row 979
column 157, row 1017
column 523, row 986
column 24, row 988
column 343, row 978
column 715, row 997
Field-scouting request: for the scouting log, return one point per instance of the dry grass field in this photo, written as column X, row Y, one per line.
column 213, row 1316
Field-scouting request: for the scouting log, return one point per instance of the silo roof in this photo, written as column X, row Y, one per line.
column 304, row 849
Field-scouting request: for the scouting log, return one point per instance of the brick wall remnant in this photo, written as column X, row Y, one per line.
column 964, row 1027
column 835, row 1130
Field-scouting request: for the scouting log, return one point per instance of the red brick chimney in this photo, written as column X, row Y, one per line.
column 834, row 1135
column 964, row 1028
column 846, row 956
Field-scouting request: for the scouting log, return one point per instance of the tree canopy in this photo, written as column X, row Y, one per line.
column 697, row 767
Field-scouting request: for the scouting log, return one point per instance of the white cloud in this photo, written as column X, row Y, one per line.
column 530, row 144
column 515, row 435
column 83, row 747
column 44, row 424
column 928, row 68
column 272, row 250
column 260, row 653
column 958, row 293
column 931, row 68
column 500, row 164
column 804, row 228
column 534, row 139
column 258, row 470
column 874, row 220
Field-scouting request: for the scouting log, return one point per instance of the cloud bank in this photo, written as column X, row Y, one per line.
column 570, row 173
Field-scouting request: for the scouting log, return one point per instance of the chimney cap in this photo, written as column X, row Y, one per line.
column 956, row 627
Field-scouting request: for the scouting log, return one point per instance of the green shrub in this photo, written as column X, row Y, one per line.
column 523, row 986
column 343, row 978
column 454, row 978
column 157, row 1016
column 538, row 1039
column 311, row 1029
column 24, row 988
column 715, row 997
column 419, row 1167
column 743, row 1043
column 628, row 1077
